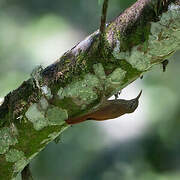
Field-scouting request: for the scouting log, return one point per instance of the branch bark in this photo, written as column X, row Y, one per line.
column 35, row 114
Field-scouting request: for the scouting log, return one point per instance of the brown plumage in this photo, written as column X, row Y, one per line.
column 110, row 109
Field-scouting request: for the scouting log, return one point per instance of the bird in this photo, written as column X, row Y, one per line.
column 109, row 109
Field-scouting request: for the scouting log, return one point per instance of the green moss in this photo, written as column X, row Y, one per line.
column 30, row 139
column 18, row 158
column 35, row 154
column 6, row 139
column 138, row 36
column 130, row 71
column 67, row 103
column 51, row 137
column 82, row 93
column 6, row 168
column 31, row 143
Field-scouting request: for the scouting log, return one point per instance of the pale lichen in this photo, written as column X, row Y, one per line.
column 6, row 139
column 82, row 91
column 99, row 71
column 56, row 115
column 60, row 93
column 116, row 77
column 37, row 117
column 42, row 115
column 14, row 155
column 115, row 80
column 135, row 58
column 43, row 103
column 18, row 158
column 165, row 33
column 163, row 40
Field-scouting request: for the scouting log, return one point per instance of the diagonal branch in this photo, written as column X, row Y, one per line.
column 36, row 113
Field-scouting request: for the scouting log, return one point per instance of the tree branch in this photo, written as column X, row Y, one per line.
column 35, row 114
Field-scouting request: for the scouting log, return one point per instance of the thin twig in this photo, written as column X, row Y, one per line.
column 103, row 18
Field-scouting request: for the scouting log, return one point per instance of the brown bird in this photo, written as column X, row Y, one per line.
column 110, row 109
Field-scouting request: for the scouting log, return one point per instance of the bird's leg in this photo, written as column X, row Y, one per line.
column 164, row 64
column 117, row 94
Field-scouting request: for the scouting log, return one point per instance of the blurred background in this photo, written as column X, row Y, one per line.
column 142, row 145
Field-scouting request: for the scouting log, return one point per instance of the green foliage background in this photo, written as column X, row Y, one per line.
column 29, row 29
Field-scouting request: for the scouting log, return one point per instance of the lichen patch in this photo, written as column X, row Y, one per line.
column 115, row 79
column 6, row 139
column 166, row 33
column 56, row 115
column 82, row 91
column 14, row 155
column 42, row 114
column 162, row 41
column 43, row 104
column 37, row 117
column 99, row 71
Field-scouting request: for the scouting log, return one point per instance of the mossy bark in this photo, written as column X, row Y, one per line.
column 35, row 113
